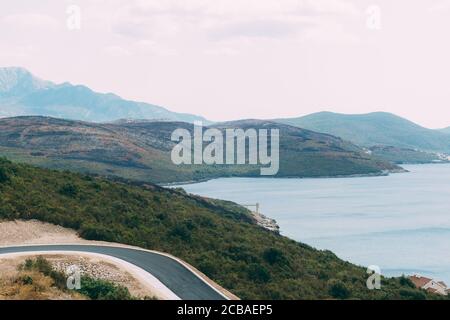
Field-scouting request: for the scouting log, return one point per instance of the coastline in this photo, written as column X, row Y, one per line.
column 269, row 223
column 358, row 175
column 266, row 222
column 344, row 245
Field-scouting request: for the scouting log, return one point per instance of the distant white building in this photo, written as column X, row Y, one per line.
column 367, row 151
column 443, row 156
column 433, row 286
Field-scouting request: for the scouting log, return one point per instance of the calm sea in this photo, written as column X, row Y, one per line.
column 400, row 222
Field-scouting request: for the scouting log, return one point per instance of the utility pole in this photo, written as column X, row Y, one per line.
column 252, row 205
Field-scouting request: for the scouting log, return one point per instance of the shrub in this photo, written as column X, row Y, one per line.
column 339, row 290
column 412, row 294
column 258, row 273
column 90, row 287
column 103, row 290
column 208, row 268
column 4, row 176
column 406, row 282
column 274, row 256
column 28, row 265
column 69, row 190
column 100, row 233
column 182, row 232
column 26, row 280
column 43, row 266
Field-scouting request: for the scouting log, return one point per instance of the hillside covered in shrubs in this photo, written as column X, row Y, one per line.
column 219, row 240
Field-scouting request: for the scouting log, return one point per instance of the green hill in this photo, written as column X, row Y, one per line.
column 220, row 240
column 140, row 150
column 402, row 155
column 373, row 129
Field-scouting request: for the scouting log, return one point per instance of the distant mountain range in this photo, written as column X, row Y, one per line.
column 21, row 93
column 375, row 129
column 141, row 150
column 388, row 136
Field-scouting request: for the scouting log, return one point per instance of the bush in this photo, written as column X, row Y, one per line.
column 4, row 176
column 26, row 280
column 182, row 232
column 413, row 294
column 43, row 266
column 208, row 268
column 28, row 265
column 258, row 273
column 69, row 190
column 274, row 256
column 98, row 233
column 339, row 290
column 92, row 288
column 103, row 290
column 406, row 282
column 40, row 264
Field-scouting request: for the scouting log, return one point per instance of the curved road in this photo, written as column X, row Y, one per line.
column 183, row 282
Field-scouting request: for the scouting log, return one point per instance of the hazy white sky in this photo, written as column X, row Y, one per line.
column 230, row 59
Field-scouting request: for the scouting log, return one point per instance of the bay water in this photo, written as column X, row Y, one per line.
column 399, row 222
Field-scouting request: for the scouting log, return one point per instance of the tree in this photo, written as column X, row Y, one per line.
column 406, row 282
column 4, row 176
column 258, row 273
column 182, row 232
column 69, row 190
column 412, row 294
column 339, row 290
column 274, row 256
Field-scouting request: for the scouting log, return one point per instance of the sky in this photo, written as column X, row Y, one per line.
column 233, row 59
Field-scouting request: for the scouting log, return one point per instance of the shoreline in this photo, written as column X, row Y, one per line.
column 414, row 169
column 358, row 175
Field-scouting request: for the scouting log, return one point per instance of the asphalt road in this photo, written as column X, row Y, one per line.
column 171, row 273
